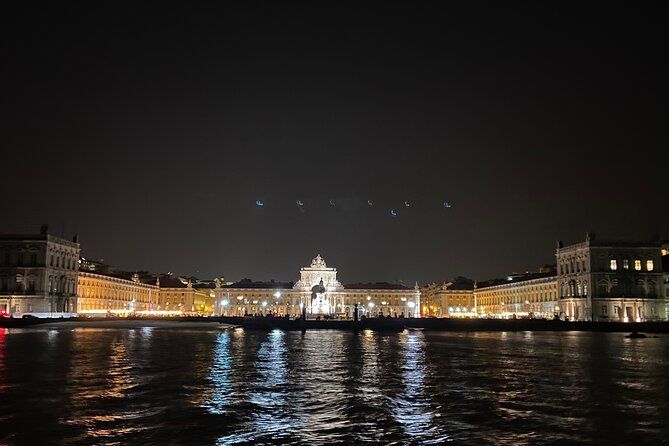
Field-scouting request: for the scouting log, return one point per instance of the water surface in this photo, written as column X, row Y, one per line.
column 198, row 385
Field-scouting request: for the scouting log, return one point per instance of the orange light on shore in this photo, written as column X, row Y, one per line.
column 124, row 313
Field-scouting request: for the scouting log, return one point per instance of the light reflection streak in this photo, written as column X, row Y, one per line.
column 219, row 377
column 412, row 408
column 322, row 375
column 3, row 379
column 269, row 394
column 119, row 372
column 99, row 383
column 52, row 335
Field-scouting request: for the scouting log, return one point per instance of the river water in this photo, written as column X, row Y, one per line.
column 177, row 384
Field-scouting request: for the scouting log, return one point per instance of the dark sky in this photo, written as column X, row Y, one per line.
column 152, row 131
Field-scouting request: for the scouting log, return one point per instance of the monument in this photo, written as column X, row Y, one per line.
column 318, row 287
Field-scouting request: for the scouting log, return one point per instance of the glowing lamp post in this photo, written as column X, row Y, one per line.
column 411, row 305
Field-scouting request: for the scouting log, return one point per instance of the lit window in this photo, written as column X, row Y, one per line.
column 626, row 264
column 637, row 265
column 649, row 265
column 614, row 264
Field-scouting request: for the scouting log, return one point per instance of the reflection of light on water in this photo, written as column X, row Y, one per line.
column 52, row 335
column 412, row 408
column 219, row 376
column 119, row 372
column 370, row 369
column 3, row 385
column 147, row 332
column 269, row 394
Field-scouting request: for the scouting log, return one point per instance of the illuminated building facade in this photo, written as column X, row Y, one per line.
column 449, row 299
column 517, row 295
column 611, row 281
column 179, row 294
column 106, row 290
column 38, row 274
column 520, row 295
column 116, row 293
column 331, row 298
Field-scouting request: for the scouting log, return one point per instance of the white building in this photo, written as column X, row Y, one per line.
column 332, row 298
column 38, row 274
column 601, row 280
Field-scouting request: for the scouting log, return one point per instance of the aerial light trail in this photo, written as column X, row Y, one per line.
column 332, row 202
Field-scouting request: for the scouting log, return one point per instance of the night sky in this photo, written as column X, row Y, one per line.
column 151, row 132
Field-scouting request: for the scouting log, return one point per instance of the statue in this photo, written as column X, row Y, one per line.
column 316, row 290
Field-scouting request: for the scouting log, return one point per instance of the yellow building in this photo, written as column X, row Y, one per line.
column 178, row 294
column 450, row 299
column 119, row 293
column 525, row 295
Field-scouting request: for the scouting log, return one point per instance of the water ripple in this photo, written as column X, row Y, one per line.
column 202, row 386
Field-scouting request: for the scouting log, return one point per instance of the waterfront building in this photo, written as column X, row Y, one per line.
column 38, row 273
column 120, row 293
column 518, row 295
column 247, row 297
column 182, row 295
column 602, row 280
column 104, row 289
column 332, row 299
column 450, row 299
